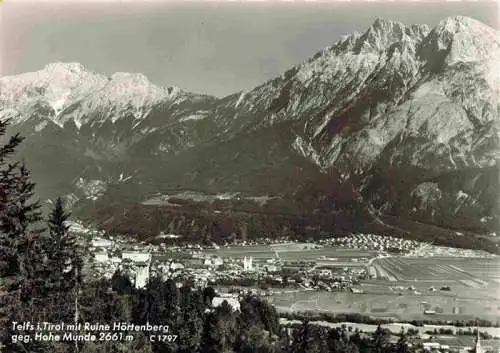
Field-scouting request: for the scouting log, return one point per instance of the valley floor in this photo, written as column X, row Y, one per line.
column 406, row 288
column 381, row 277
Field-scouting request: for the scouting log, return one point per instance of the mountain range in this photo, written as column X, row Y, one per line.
column 400, row 124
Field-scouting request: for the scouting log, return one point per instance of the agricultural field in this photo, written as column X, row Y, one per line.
column 454, row 340
column 402, row 287
column 295, row 252
column 406, row 287
column 257, row 252
column 474, row 273
column 469, row 341
column 388, row 305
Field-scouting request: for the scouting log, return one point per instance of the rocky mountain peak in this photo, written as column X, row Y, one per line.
column 381, row 25
column 456, row 24
column 56, row 85
column 136, row 78
column 73, row 67
column 382, row 34
column 463, row 39
column 129, row 85
column 72, row 92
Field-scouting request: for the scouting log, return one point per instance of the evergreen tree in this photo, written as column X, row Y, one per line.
column 227, row 326
column 208, row 295
column 191, row 320
column 121, row 284
column 64, row 256
column 352, row 348
column 380, row 340
column 140, row 306
column 19, row 218
column 336, row 343
column 64, row 264
column 362, row 343
column 172, row 298
column 260, row 312
column 256, row 341
column 402, row 344
column 100, row 304
column 210, row 338
column 322, row 340
column 303, row 339
column 21, row 255
column 161, row 302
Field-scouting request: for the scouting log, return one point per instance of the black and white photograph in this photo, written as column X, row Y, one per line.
column 230, row 176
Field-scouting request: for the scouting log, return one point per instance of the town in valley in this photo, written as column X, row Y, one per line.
column 395, row 280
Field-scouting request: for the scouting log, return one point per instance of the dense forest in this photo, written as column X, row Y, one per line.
column 226, row 221
column 193, row 325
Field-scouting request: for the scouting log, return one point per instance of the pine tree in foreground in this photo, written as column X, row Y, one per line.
column 21, row 255
column 64, row 261
column 9, row 262
column 402, row 344
column 25, row 226
column 380, row 340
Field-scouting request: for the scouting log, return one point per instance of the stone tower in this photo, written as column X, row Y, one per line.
column 247, row 264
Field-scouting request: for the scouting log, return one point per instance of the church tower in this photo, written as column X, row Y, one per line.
column 247, row 264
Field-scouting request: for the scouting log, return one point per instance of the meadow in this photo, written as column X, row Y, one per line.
column 412, row 287
column 294, row 252
column 404, row 287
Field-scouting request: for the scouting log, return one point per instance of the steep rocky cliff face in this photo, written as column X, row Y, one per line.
column 404, row 120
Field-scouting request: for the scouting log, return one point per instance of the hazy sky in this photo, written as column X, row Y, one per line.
column 216, row 48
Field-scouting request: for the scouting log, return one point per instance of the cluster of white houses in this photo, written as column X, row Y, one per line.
column 108, row 259
column 110, row 256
